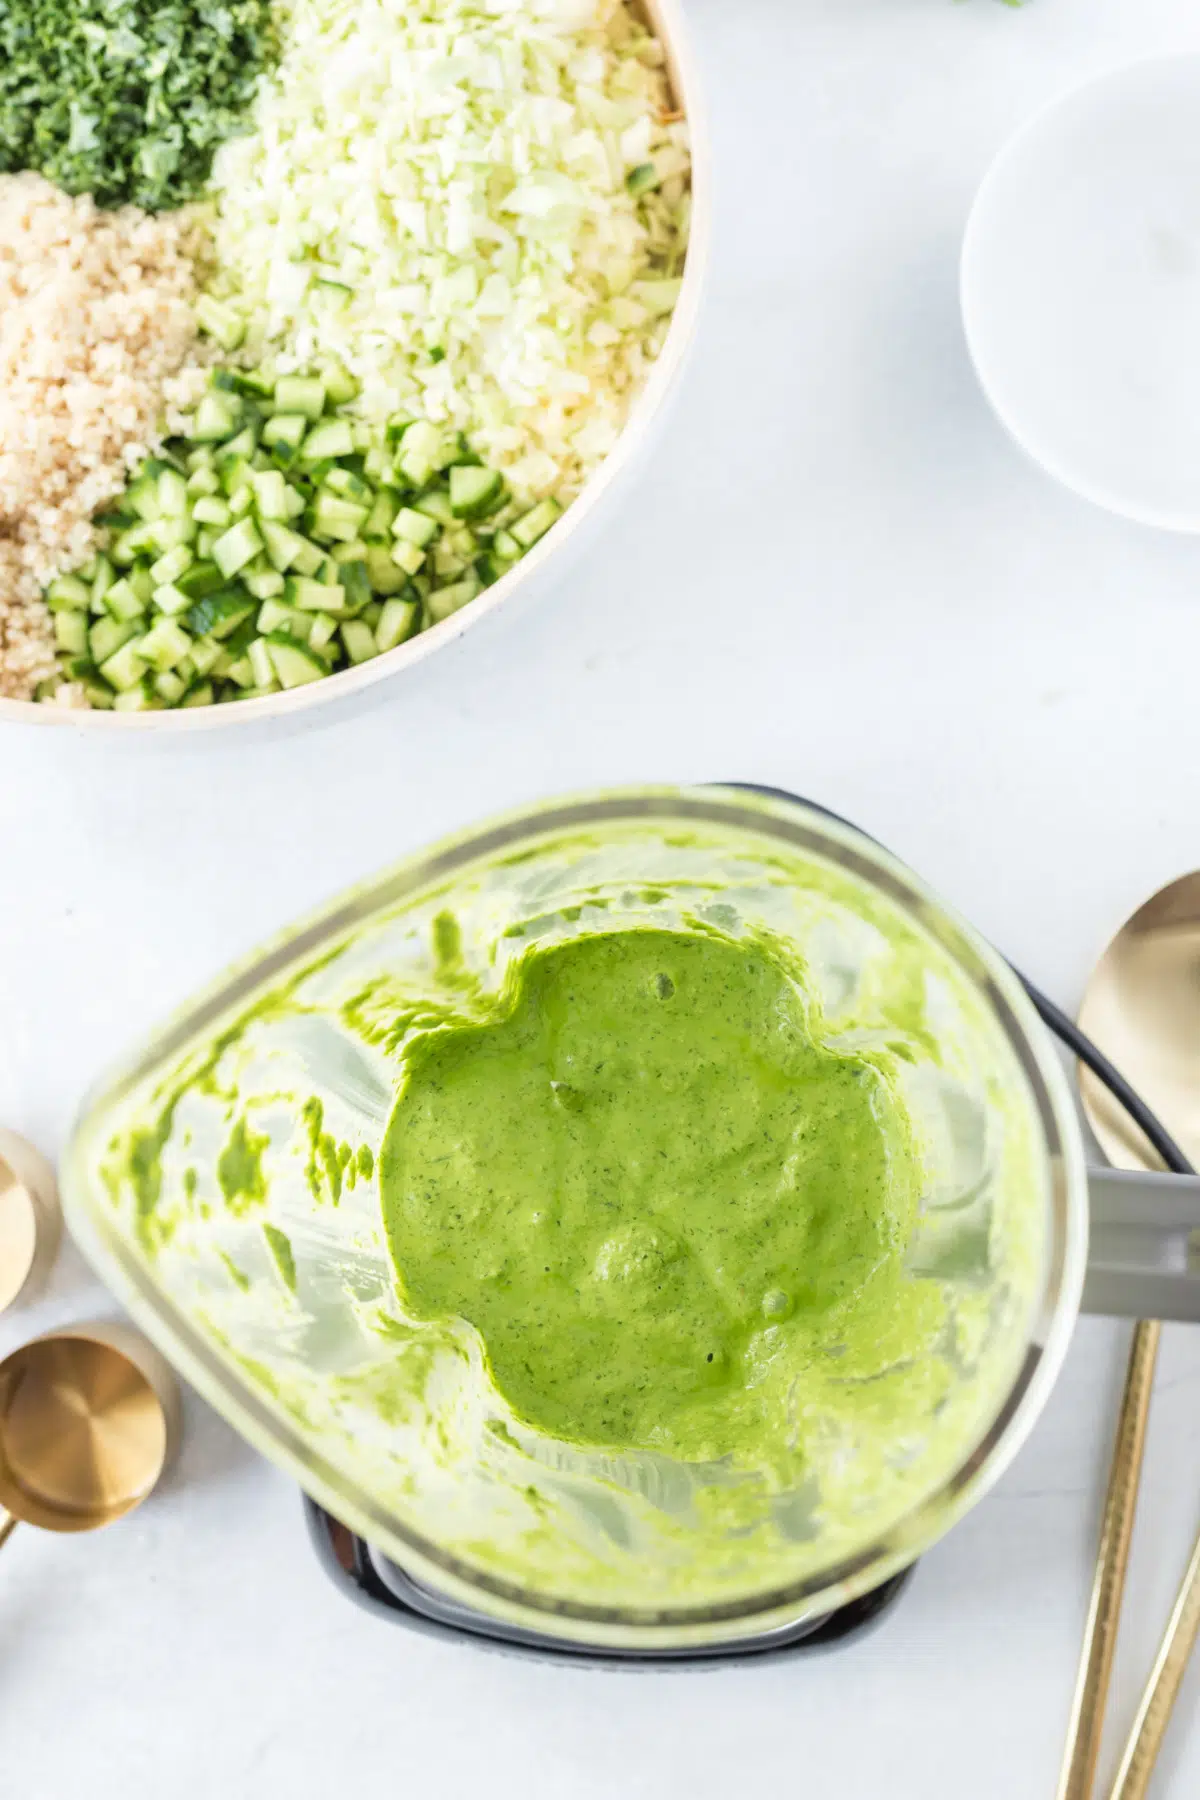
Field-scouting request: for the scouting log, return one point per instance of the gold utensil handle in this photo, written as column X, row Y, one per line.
column 7, row 1526
column 1112, row 1560
column 1154, row 1713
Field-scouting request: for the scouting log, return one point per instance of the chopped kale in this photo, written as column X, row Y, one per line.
column 127, row 100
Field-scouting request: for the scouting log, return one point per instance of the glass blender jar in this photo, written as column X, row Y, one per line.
column 225, row 1183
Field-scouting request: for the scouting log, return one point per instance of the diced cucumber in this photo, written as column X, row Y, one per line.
column 352, row 550
column 406, row 556
column 99, row 694
column 125, row 668
column 142, row 493
column 267, row 550
column 382, row 516
column 71, row 632
column 210, row 510
column 239, row 545
column 331, row 438
column 203, row 482
column 443, row 601
column 359, row 640
column 313, row 596
column 171, row 600
column 340, row 385
column 138, row 697
column 235, row 472
column 172, row 565
column 334, row 518
column 172, row 494
column 205, row 653
column 202, row 579
column 286, row 548
column 383, row 574
column 260, row 662
column 216, row 417
column 535, row 523
column 474, row 492
column 356, row 584
column 137, row 541
column 107, row 635
column 284, row 431
column 170, row 687
column 294, row 663
column 219, row 614
column 273, row 615
column 300, row 394
column 102, row 580
column 489, row 568
column 166, row 534
column 164, row 645
column 219, row 321
column 415, row 527
column 321, row 631
column 377, row 464
column 244, row 444
column 254, row 384
column 435, row 504
column 123, row 601
column 270, row 494
column 264, row 584
column 398, row 621
column 67, row 593
column 419, row 453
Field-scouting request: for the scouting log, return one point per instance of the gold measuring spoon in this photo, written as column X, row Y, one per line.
column 89, row 1417
column 30, row 1221
column 1142, row 1008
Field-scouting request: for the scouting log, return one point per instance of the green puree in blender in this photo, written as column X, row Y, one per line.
column 676, row 1220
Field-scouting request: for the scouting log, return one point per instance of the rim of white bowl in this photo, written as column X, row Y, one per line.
column 666, row 18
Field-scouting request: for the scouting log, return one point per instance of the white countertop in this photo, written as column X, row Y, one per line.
column 836, row 575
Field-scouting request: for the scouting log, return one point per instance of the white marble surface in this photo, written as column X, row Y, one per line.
column 837, row 575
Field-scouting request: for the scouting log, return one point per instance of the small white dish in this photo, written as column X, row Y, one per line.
column 1081, row 290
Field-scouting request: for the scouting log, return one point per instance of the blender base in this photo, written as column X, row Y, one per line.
column 382, row 1587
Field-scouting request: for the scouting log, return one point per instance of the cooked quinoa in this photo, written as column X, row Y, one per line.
column 95, row 321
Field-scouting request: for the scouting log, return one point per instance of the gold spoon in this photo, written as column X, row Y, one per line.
column 89, row 1416
column 1142, row 1008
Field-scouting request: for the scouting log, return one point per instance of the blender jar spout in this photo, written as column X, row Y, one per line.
column 1144, row 1253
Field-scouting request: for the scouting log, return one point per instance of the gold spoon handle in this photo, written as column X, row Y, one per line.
column 1112, row 1560
column 8, row 1525
column 1154, row 1712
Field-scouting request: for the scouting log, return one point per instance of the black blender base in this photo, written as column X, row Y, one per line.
column 384, row 1589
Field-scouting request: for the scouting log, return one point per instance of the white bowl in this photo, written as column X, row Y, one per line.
column 666, row 18
column 1081, row 290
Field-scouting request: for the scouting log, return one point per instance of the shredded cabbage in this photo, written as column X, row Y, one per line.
column 479, row 208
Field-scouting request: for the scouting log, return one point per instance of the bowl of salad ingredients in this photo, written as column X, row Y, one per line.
column 323, row 325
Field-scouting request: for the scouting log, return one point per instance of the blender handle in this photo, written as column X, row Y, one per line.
column 1144, row 1248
